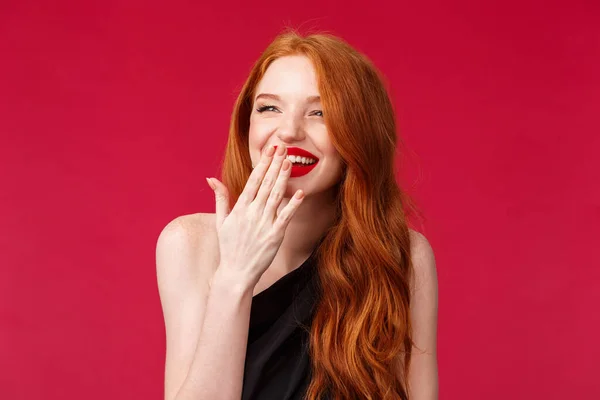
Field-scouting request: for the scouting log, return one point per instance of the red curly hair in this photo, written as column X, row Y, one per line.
column 360, row 338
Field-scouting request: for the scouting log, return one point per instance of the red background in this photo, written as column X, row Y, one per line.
column 113, row 112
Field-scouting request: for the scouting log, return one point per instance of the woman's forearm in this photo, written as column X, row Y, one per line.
column 217, row 370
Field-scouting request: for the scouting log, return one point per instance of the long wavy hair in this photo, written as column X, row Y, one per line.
column 360, row 338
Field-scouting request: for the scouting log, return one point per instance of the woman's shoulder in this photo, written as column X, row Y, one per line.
column 423, row 260
column 193, row 238
column 418, row 241
column 193, row 228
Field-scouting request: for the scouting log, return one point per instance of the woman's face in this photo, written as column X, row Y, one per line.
column 287, row 111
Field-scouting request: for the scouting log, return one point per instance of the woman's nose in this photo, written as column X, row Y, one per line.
column 290, row 130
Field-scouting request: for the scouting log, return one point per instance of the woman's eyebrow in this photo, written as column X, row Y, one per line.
column 309, row 99
column 267, row 96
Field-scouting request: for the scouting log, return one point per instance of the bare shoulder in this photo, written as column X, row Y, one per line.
column 423, row 259
column 189, row 242
column 189, row 227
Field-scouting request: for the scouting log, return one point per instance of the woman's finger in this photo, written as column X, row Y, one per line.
column 284, row 217
column 271, row 177
column 256, row 178
column 278, row 190
column 221, row 200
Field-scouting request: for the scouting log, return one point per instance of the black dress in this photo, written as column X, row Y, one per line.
column 277, row 365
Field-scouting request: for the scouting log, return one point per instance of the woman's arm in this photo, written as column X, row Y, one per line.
column 206, row 330
column 217, row 370
column 423, row 372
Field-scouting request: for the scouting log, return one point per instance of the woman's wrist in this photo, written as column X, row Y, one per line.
column 232, row 283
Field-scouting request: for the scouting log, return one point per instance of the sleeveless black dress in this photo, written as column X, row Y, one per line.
column 277, row 365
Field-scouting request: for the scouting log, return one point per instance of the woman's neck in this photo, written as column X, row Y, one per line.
column 311, row 221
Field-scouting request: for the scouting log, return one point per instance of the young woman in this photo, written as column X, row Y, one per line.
column 307, row 282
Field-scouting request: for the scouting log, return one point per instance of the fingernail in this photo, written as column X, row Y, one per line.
column 271, row 151
column 211, row 184
column 299, row 194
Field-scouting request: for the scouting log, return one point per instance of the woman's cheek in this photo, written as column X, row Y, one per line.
column 256, row 144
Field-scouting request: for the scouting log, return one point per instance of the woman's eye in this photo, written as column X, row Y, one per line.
column 265, row 108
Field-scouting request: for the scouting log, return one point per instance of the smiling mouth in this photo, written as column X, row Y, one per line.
column 300, row 157
column 298, row 161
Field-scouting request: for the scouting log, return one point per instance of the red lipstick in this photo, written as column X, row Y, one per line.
column 300, row 169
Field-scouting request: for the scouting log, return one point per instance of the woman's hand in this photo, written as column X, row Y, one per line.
column 251, row 233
